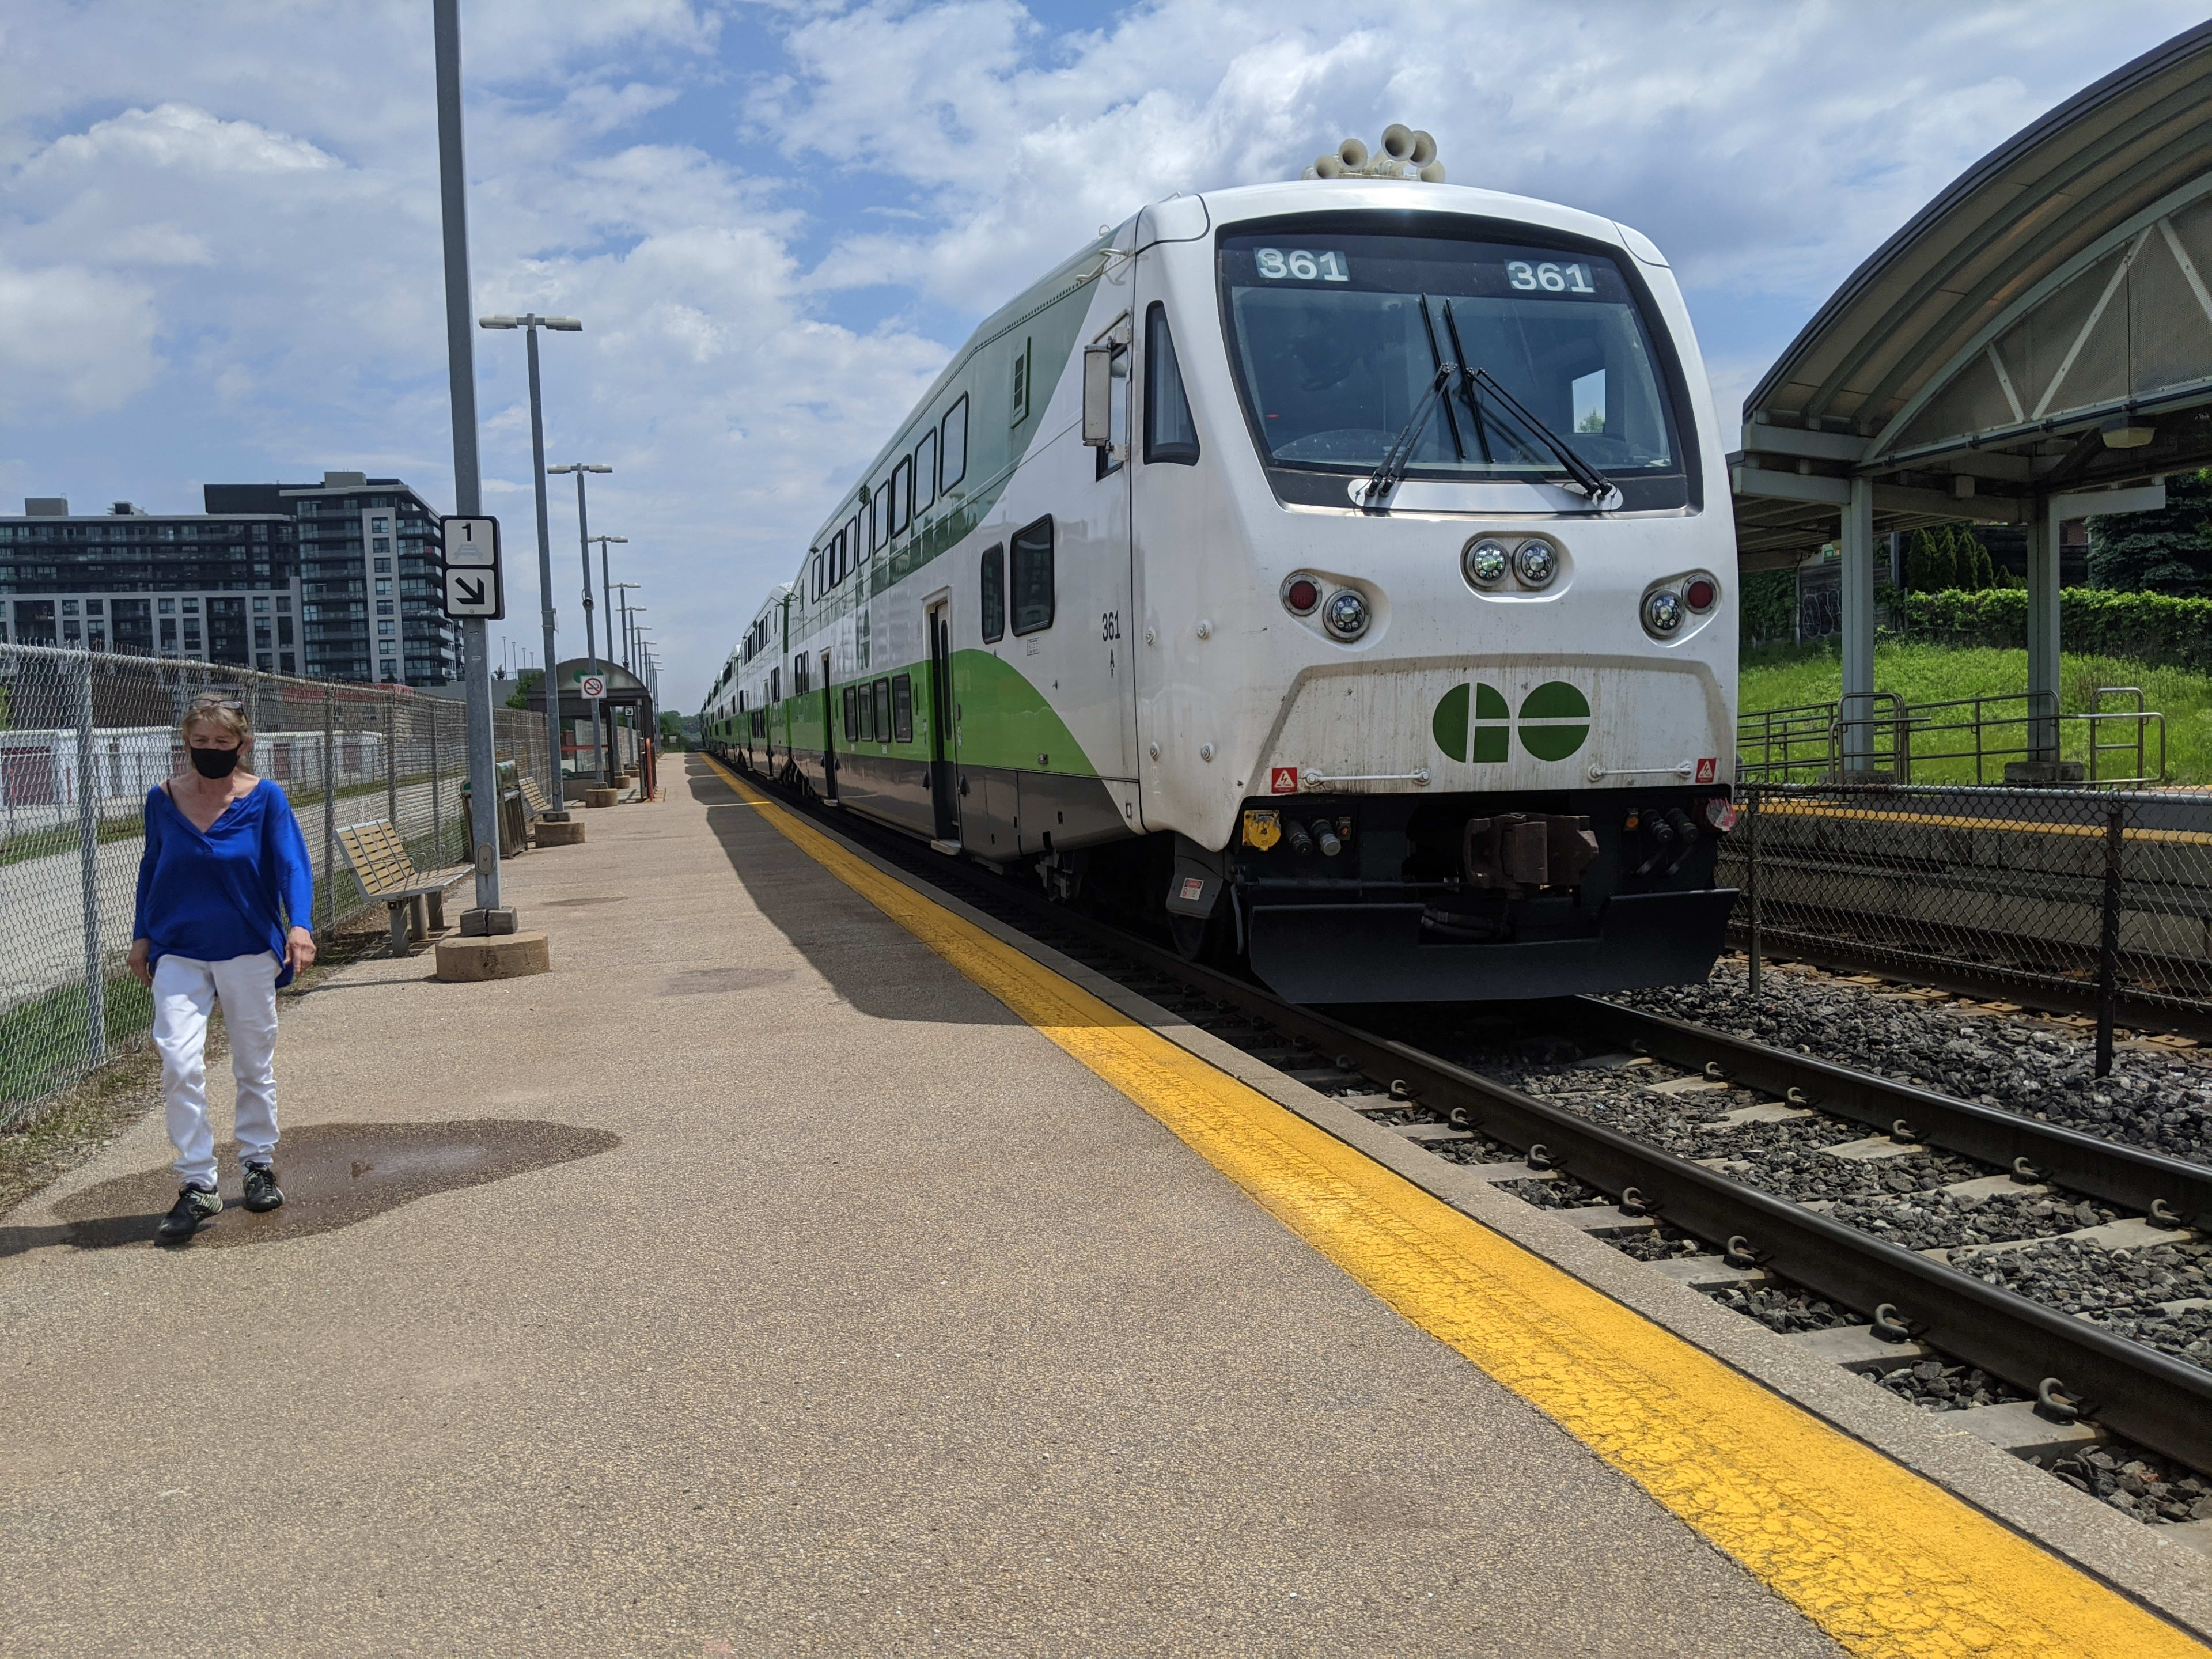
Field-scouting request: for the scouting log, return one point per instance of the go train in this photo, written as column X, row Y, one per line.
column 1336, row 573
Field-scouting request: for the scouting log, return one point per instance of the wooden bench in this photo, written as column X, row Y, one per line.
column 534, row 796
column 381, row 864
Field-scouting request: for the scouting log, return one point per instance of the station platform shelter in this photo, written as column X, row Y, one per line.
column 2033, row 347
column 623, row 719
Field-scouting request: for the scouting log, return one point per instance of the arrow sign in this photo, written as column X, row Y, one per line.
column 474, row 591
column 474, row 595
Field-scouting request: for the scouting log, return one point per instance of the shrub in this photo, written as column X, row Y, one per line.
column 2152, row 627
column 1769, row 606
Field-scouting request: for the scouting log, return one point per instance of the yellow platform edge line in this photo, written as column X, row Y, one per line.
column 1882, row 1560
column 2004, row 826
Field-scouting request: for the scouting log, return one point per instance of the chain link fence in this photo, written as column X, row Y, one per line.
column 84, row 737
column 2093, row 901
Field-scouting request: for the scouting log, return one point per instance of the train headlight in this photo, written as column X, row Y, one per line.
column 1345, row 614
column 1662, row 610
column 1535, row 562
column 1301, row 596
column 1485, row 561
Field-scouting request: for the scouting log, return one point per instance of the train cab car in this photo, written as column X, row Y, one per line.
column 1336, row 573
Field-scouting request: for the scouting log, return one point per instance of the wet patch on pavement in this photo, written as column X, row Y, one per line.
column 712, row 981
column 333, row 1175
column 572, row 903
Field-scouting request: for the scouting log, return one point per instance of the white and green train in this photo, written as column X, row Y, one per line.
column 1339, row 572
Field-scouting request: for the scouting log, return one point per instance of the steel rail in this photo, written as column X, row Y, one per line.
column 2127, row 1176
column 2136, row 1391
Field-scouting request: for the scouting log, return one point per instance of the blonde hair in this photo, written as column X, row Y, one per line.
column 209, row 709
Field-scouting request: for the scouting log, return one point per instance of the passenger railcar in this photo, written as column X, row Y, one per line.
column 1340, row 571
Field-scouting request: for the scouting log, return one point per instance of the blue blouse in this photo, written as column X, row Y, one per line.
column 228, row 890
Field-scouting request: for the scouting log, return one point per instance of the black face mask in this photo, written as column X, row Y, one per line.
column 215, row 763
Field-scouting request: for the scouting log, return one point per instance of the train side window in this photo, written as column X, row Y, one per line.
column 902, row 495
column 1032, row 574
column 852, row 714
column 878, row 503
column 820, row 586
column 925, row 473
column 851, row 542
column 994, row 595
column 776, row 685
column 883, row 711
column 953, row 456
column 902, row 708
column 1170, row 433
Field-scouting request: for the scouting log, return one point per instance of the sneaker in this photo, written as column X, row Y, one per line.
column 262, row 1192
column 194, row 1204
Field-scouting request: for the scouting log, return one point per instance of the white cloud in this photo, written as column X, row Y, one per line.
column 72, row 337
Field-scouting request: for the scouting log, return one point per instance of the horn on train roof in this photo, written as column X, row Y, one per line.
column 1405, row 153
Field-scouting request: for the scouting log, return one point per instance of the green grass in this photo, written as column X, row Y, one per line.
column 43, row 1040
column 1784, row 676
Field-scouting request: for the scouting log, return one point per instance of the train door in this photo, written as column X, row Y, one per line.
column 944, row 792
column 828, row 732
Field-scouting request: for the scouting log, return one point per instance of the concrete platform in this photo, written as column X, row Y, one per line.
column 826, row 1308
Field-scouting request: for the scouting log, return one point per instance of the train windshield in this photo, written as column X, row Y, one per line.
column 1338, row 340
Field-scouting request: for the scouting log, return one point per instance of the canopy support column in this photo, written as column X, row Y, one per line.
column 2043, row 631
column 1857, row 709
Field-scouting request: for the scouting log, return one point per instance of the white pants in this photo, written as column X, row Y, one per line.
column 184, row 993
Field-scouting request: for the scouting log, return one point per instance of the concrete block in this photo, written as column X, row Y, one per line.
column 1857, row 1348
column 551, row 834
column 503, row 955
column 601, row 796
column 2018, row 1428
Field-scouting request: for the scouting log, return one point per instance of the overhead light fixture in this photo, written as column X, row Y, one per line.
column 2127, row 432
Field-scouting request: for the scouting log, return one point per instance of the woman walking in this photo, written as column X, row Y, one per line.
column 225, row 890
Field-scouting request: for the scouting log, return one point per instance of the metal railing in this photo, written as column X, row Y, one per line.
column 84, row 736
column 1960, row 740
column 2096, row 902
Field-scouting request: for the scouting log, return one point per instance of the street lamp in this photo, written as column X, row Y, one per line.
column 628, row 609
column 591, row 644
column 530, row 323
column 606, row 586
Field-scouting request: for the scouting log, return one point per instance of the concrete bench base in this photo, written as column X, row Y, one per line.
column 601, row 796
column 570, row 833
column 503, row 956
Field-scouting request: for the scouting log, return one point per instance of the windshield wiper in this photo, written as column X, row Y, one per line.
column 1587, row 479
column 1390, row 471
column 1601, row 489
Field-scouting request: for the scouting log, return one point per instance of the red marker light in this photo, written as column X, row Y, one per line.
column 1303, row 596
column 1700, row 593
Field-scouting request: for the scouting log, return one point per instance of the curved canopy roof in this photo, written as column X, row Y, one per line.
column 2043, row 324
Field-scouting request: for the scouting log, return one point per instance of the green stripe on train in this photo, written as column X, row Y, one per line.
column 1004, row 720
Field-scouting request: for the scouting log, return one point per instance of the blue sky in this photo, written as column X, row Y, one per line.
column 219, row 248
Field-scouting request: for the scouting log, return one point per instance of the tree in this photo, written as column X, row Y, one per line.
column 2168, row 551
column 1929, row 564
column 523, row 682
column 1973, row 559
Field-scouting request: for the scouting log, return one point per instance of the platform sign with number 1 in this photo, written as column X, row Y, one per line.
column 473, row 592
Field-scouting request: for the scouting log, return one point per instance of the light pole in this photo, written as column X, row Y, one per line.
column 591, row 642
column 606, row 594
column 488, row 916
column 530, row 323
column 628, row 610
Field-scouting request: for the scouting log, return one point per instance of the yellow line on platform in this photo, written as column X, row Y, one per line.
column 1886, row 1562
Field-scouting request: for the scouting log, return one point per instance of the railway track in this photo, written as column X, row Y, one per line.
column 2076, row 1383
